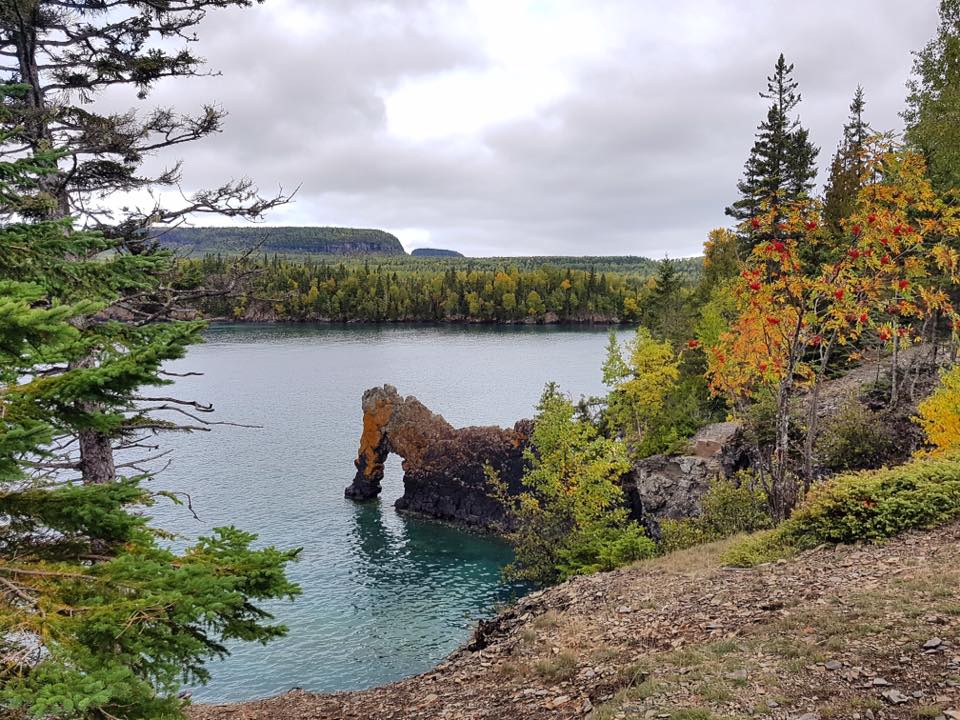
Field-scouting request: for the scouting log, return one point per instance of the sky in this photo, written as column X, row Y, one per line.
column 528, row 127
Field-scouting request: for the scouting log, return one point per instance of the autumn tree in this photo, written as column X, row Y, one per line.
column 64, row 55
column 639, row 383
column 781, row 167
column 570, row 517
column 792, row 317
column 939, row 414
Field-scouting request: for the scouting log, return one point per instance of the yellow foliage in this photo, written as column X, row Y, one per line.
column 939, row 414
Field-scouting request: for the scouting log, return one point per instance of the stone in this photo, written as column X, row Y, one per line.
column 932, row 643
column 672, row 486
column 895, row 697
column 833, row 665
column 443, row 467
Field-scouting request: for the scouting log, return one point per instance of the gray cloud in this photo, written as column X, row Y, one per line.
column 639, row 155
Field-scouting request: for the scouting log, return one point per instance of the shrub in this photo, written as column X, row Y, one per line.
column 759, row 548
column 731, row 506
column 605, row 549
column 876, row 504
column 863, row 506
column 855, row 438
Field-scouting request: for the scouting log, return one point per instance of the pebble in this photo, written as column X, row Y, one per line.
column 833, row 665
column 932, row 643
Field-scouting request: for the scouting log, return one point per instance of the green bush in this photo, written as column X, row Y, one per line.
column 876, row 504
column 762, row 547
column 605, row 549
column 731, row 506
column 863, row 506
column 855, row 438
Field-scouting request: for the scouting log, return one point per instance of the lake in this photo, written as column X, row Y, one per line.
column 384, row 596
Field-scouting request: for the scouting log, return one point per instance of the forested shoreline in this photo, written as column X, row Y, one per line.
column 522, row 290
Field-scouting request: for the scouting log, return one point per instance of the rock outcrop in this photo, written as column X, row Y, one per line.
column 672, row 486
column 443, row 466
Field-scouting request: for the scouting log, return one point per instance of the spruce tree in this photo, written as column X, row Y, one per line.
column 781, row 167
column 65, row 55
column 98, row 617
column 664, row 312
column 847, row 167
column 932, row 115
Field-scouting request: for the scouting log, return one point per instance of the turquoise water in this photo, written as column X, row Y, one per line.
column 384, row 596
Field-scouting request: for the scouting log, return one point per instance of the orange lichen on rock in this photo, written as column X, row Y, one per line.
column 444, row 467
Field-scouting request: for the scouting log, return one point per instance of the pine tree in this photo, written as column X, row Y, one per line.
column 98, row 619
column 932, row 115
column 781, row 167
column 847, row 167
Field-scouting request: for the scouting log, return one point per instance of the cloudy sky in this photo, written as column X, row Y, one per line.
column 513, row 127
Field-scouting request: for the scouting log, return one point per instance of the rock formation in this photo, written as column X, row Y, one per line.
column 443, row 466
column 671, row 486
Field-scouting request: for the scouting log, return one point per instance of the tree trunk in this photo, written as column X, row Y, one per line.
column 783, row 496
column 813, row 417
column 894, row 384
column 96, row 450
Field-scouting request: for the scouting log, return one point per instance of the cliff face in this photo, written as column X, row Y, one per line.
column 306, row 240
column 443, row 466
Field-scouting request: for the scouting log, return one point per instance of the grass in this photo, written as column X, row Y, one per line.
column 549, row 619
column 562, row 666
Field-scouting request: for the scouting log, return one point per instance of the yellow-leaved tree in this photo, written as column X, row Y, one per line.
column 939, row 414
column 640, row 383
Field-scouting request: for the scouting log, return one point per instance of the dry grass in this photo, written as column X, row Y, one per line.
column 692, row 561
column 696, row 681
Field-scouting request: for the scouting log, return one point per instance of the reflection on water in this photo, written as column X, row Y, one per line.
column 384, row 596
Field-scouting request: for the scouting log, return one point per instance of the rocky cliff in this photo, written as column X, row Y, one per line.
column 443, row 466
column 672, row 486
column 299, row 241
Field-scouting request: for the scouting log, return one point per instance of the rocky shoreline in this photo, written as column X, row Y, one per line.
column 830, row 634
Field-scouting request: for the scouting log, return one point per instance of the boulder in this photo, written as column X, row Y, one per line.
column 672, row 486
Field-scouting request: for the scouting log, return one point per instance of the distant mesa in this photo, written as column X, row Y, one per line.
column 281, row 240
column 435, row 252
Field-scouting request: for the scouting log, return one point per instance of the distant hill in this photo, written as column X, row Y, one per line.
column 282, row 240
column 435, row 252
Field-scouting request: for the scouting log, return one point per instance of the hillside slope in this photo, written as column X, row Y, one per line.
column 282, row 240
column 849, row 632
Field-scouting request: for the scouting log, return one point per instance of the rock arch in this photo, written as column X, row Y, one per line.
column 443, row 466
